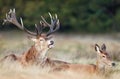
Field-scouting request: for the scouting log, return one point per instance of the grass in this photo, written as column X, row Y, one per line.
column 13, row 70
column 72, row 48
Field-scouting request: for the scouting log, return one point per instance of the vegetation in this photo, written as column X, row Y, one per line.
column 75, row 15
column 75, row 49
column 89, row 16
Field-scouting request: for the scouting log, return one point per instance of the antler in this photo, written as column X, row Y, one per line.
column 11, row 17
column 54, row 26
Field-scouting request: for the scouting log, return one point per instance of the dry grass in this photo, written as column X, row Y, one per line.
column 13, row 70
column 71, row 48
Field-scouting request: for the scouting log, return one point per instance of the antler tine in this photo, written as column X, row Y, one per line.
column 37, row 29
column 47, row 24
column 54, row 24
column 57, row 27
column 29, row 32
column 45, row 21
column 11, row 17
column 42, row 26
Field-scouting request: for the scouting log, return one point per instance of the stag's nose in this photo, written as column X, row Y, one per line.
column 113, row 64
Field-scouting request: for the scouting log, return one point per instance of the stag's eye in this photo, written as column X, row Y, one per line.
column 103, row 56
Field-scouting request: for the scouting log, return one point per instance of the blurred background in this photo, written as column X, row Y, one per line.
column 83, row 23
column 86, row 16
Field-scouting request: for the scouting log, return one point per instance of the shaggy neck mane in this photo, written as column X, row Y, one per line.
column 32, row 55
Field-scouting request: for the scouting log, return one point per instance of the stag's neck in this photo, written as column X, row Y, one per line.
column 34, row 54
column 40, row 51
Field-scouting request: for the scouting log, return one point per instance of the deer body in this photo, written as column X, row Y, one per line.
column 82, row 68
column 33, row 55
column 102, row 63
column 42, row 41
column 36, row 53
column 54, row 63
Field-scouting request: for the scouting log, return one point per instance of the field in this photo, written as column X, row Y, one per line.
column 73, row 48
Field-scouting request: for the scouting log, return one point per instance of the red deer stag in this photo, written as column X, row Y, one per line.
column 103, row 62
column 42, row 42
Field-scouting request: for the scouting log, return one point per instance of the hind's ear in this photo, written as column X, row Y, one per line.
column 97, row 48
column 103, row 47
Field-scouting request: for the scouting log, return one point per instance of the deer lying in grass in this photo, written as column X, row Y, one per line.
column 42, row 42
column 103, row 62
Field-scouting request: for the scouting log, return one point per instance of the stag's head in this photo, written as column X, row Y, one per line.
column 103, row 56
column 41, row 40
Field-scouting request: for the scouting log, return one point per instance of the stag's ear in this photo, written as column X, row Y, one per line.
column 49, row 37
column 97, row 48
column 103, row 47
column 33, row 39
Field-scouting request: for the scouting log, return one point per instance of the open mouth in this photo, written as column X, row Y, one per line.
column 50, row 46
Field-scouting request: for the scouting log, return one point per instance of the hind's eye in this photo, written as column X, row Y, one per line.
column 41, row 40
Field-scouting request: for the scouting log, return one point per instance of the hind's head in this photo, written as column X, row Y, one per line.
column 103, row 57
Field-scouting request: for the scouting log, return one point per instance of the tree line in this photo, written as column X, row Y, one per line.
column 75, row 15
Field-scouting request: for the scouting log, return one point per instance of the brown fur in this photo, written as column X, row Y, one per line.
column 103, row 61
column 26, row 58
column 30, row 56
column 11, row 57
column 81, row 68
column 53, row 63
column 37, row 53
